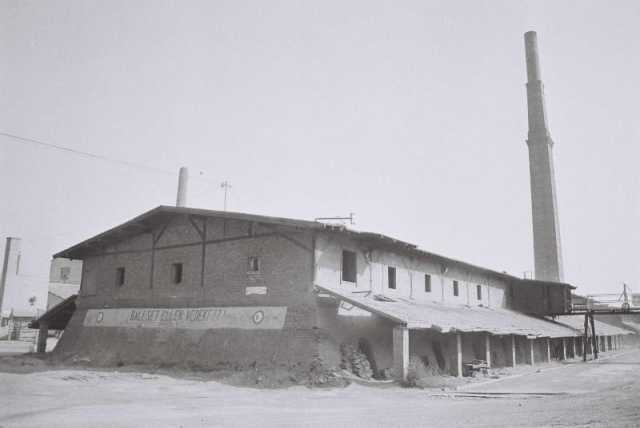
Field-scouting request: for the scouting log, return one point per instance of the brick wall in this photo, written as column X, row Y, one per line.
column 285, row 256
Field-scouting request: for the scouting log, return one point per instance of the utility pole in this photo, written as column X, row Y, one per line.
column 227, row 188
column 10, row 264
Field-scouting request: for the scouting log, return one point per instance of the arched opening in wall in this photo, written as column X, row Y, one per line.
column 425, row 360
column 496, row 357
column 477, row 350
column 364, row 346
column 437, row 350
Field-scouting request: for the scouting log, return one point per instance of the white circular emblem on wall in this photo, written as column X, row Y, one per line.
column 258, row 317
column 100, row 316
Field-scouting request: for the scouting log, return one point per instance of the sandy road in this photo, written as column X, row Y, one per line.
column 604, row 393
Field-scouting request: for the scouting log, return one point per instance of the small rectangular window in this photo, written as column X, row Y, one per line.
column 349, row 266
column 456, row 291
column 427, row 283
column 64, row 273
column 120, row 276
column 391, row 275
column 479, row 292
column 254, row 265
column 176, row 273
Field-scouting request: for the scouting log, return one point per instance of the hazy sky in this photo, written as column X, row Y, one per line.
column 412, row 114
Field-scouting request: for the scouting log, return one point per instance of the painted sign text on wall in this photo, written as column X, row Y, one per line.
column 238, row 317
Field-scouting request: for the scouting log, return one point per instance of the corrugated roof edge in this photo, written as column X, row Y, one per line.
column 72, row 252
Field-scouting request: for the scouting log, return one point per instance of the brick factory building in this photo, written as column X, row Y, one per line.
column 214, row 289
column 217, row 289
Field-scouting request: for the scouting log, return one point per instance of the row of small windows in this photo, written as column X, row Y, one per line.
column 349, row 274
column 456, row 290
column 177, row 271
column 176, row 274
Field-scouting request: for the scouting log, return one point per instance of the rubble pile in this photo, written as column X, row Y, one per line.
column 355, row 361
column 420, row 370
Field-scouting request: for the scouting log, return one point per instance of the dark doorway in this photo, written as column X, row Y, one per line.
column 364, row 346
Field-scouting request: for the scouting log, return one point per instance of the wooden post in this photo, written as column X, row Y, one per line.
column 575, row 353
column 487, row 349
column 401, row 352
column 531, row 351
column 41, row 346
column 548, row 350
column 564, row 349
column 585, row 337
column 459, row 354
column 594, row 341
column 513, row 350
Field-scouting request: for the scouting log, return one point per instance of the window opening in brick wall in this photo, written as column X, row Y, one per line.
column 349, row 266
column 456, row 289
column 254, row 264
column 479, row 292
column 391, row 275
column 427, row 283
column 176, row 273
column 120, row 276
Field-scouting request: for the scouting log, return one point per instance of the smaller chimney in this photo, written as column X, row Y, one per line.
column 183, row 180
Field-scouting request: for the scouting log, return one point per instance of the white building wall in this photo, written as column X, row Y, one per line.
column 410, row 272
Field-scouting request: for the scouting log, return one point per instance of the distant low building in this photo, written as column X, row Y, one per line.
column 19, row 292
column 64, row 280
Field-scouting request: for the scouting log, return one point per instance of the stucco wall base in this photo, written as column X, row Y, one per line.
column 198, row 349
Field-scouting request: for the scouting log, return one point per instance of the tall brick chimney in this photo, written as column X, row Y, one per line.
column 546, row 230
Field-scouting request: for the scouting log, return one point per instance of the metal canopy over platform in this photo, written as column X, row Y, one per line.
column 57, row 317
column 450, row 318
column 602, row 328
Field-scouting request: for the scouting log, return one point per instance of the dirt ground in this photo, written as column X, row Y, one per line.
column 605, row 393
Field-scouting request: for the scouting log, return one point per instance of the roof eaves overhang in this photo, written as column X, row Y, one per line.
column 156, row 216
column 360, row 305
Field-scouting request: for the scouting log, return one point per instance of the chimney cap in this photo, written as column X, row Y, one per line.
column 531, row 52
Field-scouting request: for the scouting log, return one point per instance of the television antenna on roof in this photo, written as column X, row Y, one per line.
column 350, row 218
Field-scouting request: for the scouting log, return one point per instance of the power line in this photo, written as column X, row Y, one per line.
column 130, row 164
column 83, row 153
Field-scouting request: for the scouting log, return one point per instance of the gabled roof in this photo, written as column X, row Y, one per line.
column 159, row 215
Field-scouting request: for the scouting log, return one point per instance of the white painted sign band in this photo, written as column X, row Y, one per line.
column 233, row 317
column 255, row 290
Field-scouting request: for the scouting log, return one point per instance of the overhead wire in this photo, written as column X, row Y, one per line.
column 130, row 164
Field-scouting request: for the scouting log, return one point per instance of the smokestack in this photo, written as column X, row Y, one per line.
column 183, row 181
column 546, row 230
column 10, row 264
